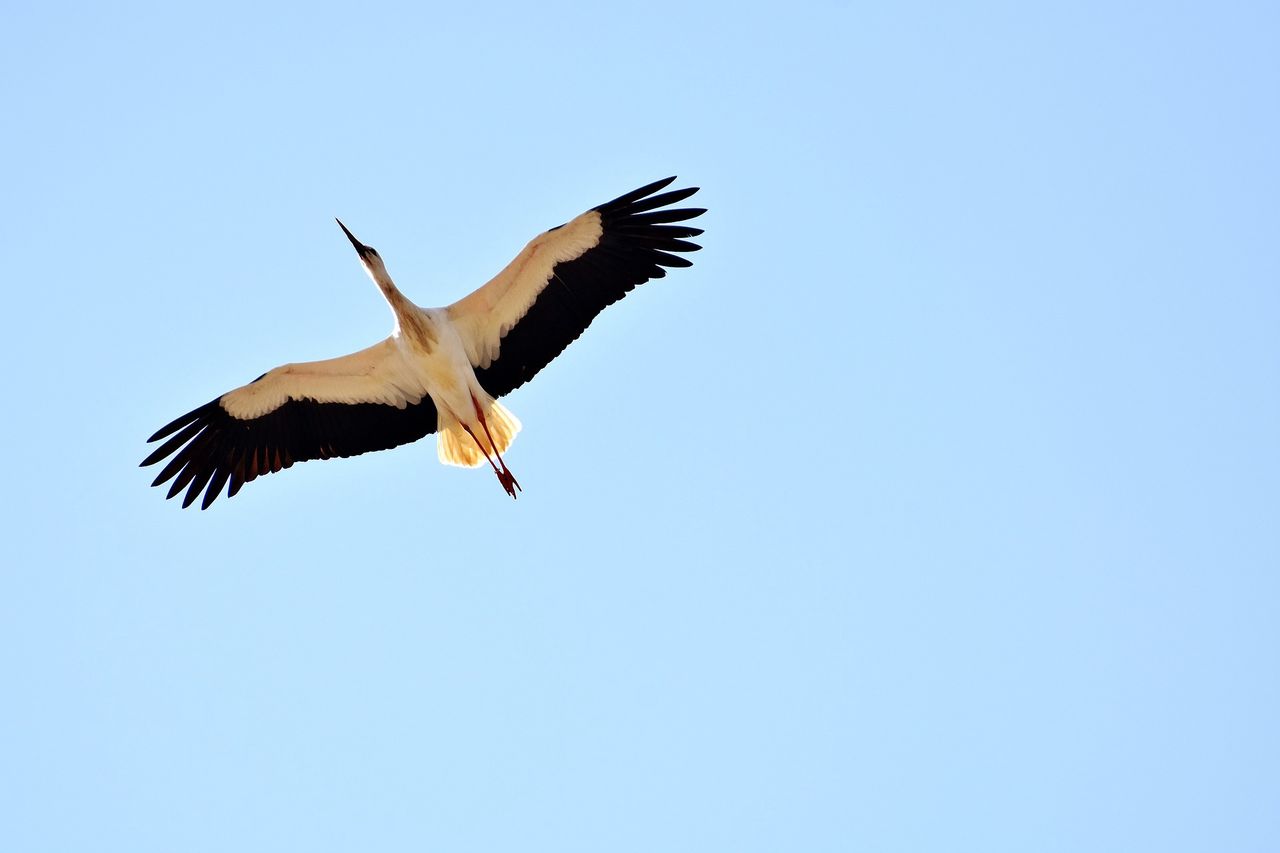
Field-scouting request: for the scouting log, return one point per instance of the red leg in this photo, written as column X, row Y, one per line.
column 504, row 476
column 480, row 444
column 508, row 479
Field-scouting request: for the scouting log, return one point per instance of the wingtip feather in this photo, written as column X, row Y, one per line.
column 636, row 194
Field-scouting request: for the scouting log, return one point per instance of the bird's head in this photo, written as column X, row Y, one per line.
column 368, row 255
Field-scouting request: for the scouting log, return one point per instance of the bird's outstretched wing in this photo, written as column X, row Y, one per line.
column 525, row 316
column 312, row 410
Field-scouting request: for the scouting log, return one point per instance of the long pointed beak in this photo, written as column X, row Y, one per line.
column 361, row 248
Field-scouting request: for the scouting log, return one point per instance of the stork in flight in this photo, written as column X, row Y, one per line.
column 441, row 369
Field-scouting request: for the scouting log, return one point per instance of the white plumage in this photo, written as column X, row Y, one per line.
column 379, row 374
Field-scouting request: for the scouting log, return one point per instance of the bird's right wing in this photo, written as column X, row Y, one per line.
column 346, row 406
column 525, row 316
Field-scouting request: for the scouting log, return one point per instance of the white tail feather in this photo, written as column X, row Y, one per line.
column 457, row 448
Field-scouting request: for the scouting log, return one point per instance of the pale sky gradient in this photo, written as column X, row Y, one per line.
column 934, row 508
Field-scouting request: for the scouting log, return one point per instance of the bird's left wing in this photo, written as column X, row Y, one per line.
column 345, row 406
column 525, row 316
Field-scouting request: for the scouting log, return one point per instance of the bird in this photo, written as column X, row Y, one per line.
column 441, row 370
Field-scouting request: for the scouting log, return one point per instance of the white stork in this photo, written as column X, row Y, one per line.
column 442, row 368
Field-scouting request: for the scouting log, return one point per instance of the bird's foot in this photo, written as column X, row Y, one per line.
column 509, row 482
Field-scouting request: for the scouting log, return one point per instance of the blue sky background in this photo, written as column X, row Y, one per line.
column 934, row 508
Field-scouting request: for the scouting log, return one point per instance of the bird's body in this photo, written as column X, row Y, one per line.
column 441, row 369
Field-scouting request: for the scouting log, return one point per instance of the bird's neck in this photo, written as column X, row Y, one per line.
column 411, row 320
column 399, row 304
column 388, row 287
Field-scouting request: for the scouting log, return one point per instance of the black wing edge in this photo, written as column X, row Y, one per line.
column 211, row 449
column 638, row 243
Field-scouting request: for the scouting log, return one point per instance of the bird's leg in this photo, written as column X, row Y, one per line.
column 508, row 479
column 504, row 476
column 483, row 451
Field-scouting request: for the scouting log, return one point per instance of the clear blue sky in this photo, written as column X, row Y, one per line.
column 935, row 508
